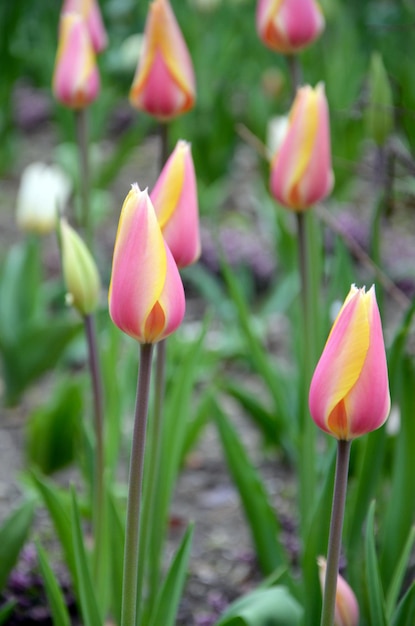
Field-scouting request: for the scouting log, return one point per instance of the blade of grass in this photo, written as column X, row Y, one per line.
column 58, row 609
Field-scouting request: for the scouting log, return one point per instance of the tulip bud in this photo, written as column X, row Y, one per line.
column 301, row 173
column 288, row 26
column 174, row 198
column 146, row 296
column 79, row 270
column 346, row 608
column 89, row 9
column 76, row 79
column 43, row 193
column 349, row 392
column 164, row 83
column 379, row 112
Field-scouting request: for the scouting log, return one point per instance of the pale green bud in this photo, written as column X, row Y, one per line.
column 379, row 112
column 79, row 271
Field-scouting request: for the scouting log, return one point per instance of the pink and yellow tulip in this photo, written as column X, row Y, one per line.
column 146, row 296
column 89, row 9
column 76, row 80
column 174, row 198
column 288, row 26
column 301, row 172
column 349, row 392
column 346, row 608
column 164, row 83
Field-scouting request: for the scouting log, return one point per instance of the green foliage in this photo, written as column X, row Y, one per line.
column 262, row 518
column 13, row 534
column 264, row 607
column 31, row 342
column 53, row 431
column 54, row 594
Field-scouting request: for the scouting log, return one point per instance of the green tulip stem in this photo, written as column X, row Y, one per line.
column 335, row 536
column 153, row 473
column 164, row 143
column 306, row 426
column 295, row 71
column 132, row 534
column 84, row 175
column 99, row 517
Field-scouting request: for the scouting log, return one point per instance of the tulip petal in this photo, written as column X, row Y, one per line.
column 139, row 265
column 75, row 80
column 349, row 392
column 164, row 83
column 175, row 201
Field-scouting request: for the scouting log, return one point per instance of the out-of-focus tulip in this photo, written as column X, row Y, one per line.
column 43, row 193
column 76, row 80
column 79, row 271
column 288, row 26
column 146, row 296
column 301, row 173
column 164, row 83
column 379, row 111
column 174, row 198
column 349, row 392
column 346, row 608
column 90, row 11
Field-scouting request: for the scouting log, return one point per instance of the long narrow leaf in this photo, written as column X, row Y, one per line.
column 87, row 597
column 59, row 510
column 165, row 609
column 13, row 535
column 117, row 534
column 264, row 607
column 398, row 576
column 59, row 611
column 373, row 582
column 405, row 612
column 259, row 513
column 6, row 610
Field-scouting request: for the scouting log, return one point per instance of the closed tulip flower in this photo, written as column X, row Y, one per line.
column 90, row 11
column 146, row 296
column 301, row 172
column 79, row 271
column 347, row 608
column 349, row 392
column 43, row 193
column 174, row 198
column 288, row 26
column 76, row 80
column 164, row 83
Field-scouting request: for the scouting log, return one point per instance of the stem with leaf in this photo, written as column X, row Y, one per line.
column 335, row 536
column 99, row 517
column 132, row 536
column 84, row 175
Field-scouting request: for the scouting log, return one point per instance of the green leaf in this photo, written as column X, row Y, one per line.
column 32, row 353
column 87, row 597
column 53, row 430
column 13, row 535
column 19, row 289
column 165, row 609
column 254, row 408
column 54, row 593
column 398, row 576
column 373, row 582
column 405, row 612
column 6, row 610
column 260, row 514
column 399, row 514
column 264, row 607
column 117, row 534
column 58, row 506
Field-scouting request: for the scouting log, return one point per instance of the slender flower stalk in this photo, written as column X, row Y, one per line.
column 99, row 509
column 335, row 536
column 84, row 175
column 132, row 534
